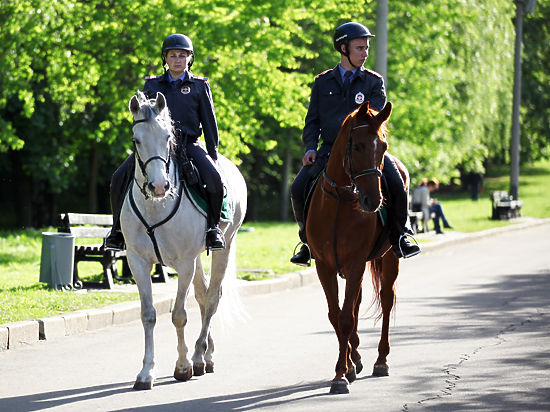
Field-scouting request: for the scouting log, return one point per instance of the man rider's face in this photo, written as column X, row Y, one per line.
column 358, row 50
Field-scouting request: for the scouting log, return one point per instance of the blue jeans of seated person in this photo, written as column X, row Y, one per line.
column 438, row 210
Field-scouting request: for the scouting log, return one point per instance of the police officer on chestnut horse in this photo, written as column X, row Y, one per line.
column 334, row 95
column 189, row 100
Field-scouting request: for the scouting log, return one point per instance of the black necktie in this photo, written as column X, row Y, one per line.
column 178, row 83
column 347, row 81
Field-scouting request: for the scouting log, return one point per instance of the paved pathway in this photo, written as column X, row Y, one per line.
column 470, row 334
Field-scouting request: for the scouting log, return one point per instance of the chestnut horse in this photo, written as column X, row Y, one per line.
column 343, row 231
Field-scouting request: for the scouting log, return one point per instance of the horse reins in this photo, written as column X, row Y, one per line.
column 151, row 228
column 349, row 188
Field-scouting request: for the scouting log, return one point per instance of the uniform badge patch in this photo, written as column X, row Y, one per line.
column 185, row 89
column 359, row 98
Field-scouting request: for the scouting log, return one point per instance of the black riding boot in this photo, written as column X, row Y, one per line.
column 120, row 183
column 214, row 236
column 398, row 212
column 303, row 257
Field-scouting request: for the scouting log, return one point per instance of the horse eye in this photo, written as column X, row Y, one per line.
column 135, row 141
column 356, row 147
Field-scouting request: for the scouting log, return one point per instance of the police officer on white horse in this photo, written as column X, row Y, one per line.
column 334, row 95
column 189, row 100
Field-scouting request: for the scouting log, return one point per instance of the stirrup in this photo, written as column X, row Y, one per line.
column 306, row 264
column 401, row 250
column 219, row 232
column 112, row 248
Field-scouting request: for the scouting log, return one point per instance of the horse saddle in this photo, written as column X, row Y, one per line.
column 195, row 190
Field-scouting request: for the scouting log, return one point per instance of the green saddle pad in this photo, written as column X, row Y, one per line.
column 383, row 215
column 200, row 203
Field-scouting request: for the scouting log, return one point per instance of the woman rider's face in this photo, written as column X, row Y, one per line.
column 177, row 61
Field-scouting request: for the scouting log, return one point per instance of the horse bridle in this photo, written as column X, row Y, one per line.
column 143, row 165
column 350, row 188
column 353, row 176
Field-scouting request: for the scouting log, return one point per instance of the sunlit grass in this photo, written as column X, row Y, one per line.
column 263, row 249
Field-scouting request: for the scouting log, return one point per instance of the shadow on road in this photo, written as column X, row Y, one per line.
column 241, row 401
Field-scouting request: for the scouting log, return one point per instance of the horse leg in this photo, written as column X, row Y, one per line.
column 390, row 270
column 356, row 366
column 201, row 287
column 186, row 271
column 204, row 346
column 346, row 323
column 141, row 271
column 329, row 282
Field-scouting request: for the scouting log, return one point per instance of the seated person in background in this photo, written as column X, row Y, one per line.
column 422, row 201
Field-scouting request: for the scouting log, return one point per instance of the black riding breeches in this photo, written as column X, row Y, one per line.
column 398, row 204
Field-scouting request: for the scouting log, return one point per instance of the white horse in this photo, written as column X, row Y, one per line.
column 175, row 236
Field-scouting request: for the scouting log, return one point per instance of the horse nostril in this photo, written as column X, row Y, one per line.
column 167, row 186
column 151, row 187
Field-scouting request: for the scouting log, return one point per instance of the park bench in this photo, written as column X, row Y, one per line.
column 419, row 221
column 504, row 206
column 97, row 226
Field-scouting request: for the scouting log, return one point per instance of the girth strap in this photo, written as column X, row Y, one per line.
column 151, row 228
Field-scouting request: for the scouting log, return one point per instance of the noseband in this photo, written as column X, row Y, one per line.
column 143, row 165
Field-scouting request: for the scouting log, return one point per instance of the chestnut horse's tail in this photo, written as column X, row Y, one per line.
column 377, row 274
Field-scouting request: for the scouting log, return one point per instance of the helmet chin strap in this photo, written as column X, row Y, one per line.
column 349, row 60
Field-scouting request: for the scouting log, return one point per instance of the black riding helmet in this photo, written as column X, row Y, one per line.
column 349, row 31
column 177, row 41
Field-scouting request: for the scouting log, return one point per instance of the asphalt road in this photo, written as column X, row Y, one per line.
column 471, row 333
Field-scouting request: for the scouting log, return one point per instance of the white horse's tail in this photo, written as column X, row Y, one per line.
column 231, row 308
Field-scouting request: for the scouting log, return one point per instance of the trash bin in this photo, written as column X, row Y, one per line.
column 57, row 259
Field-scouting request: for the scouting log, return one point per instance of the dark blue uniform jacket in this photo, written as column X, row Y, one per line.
column 191, row 107
column 329, row 106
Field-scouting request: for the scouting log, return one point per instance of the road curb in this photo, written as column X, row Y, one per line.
column 23, row 333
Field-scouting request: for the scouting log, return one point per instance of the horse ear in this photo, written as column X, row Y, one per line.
column 134, row 105
column 160, row 102
column 363, row 109
column 384, row 114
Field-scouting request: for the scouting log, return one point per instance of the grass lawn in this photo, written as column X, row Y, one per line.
column 263, row 248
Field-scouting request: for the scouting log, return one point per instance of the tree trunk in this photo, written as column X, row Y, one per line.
column 93, row 171
column 284, row 194
column 23, row 192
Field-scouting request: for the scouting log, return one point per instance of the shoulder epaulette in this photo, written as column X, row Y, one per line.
column 152, row 77
column 373, row 73
column 204, row 79
column 322, row 73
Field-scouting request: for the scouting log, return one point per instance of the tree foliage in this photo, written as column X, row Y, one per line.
column 70, row 68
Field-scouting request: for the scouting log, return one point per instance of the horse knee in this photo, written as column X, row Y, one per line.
column 149, row 317
column 179, row 319
column 345, row 324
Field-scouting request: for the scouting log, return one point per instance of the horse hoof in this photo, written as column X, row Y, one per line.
column 339, row 387
column 351, row 375
column 199, row 369
column 143, row 386
column 183, row 376
column 381, row 370
column 358, row 367
column 209, row 367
